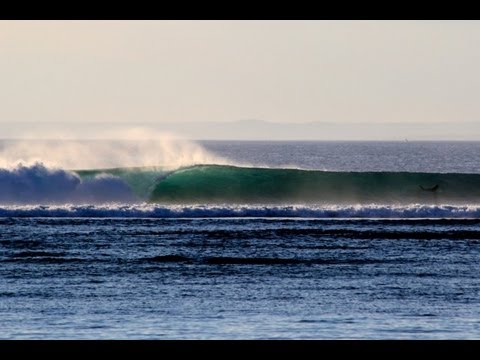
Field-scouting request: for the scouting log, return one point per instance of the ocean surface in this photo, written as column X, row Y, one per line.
column 244, row 240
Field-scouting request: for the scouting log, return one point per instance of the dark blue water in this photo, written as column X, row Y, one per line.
column 239, row 278
column 79, row 271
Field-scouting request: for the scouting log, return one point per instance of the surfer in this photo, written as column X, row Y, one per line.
column 432, row 189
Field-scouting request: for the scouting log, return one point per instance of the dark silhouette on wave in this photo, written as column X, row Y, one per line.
column 432, row 189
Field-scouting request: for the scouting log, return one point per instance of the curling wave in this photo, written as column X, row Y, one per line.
column 230, row 184
column 220, row 185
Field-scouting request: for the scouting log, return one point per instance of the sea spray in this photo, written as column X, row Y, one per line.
column 135, row 147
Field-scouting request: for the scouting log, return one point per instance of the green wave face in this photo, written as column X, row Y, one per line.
column 227, row 184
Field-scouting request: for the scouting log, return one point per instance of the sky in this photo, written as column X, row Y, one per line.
column 182, row 72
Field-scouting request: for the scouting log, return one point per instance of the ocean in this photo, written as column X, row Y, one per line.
column 250, row 240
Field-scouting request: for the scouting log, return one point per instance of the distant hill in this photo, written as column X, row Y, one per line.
column 254, row 130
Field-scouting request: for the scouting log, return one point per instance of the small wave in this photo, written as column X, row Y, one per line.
column 252, row 261
column 228, row 260
column 45, row 260
column 166, row 259
column 32, row 254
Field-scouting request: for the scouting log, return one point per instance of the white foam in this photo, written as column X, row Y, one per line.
column 204, row 211
column 36, row 184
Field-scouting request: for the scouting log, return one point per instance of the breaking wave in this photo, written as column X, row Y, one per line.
column 229, row 191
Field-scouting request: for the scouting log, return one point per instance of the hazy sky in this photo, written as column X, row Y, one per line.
column 280, row 71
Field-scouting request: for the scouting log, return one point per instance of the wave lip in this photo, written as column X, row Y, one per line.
column 247, row 211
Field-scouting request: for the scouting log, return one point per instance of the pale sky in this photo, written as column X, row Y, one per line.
column 221, row 71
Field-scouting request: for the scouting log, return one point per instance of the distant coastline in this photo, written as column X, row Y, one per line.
column 253, row 130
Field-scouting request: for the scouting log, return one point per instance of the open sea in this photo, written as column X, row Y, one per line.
column 275, row 240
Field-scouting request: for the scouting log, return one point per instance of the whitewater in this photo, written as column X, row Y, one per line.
column 208, row 181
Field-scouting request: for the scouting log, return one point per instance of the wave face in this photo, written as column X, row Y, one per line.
column 228, row 184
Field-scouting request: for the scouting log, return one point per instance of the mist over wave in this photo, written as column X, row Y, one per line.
column 136, row 147
column 44, row 171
